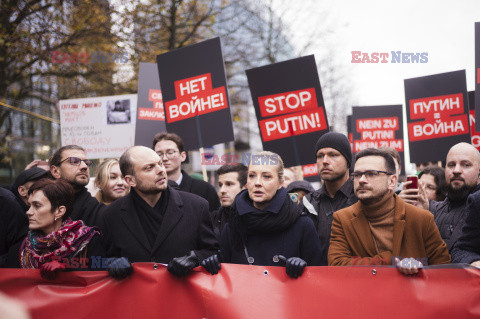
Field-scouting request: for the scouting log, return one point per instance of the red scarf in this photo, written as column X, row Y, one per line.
column 67, row 242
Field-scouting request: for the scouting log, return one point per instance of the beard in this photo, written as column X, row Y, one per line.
column 459, row 194
column 150, row 189
column 370, row 200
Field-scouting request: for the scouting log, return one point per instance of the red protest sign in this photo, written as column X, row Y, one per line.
column 292, row 125
column 156, row 113
column 288, row 102
column 443, row 116
column 378, row 132
column 195, row 96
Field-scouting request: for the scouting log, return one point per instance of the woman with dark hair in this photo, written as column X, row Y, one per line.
column 267, row 228
column 433, row 178
column 55, row 242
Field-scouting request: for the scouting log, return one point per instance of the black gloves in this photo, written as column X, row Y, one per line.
column 180, row 266
column 120, row 268
column 212, row 264
column 294, row 265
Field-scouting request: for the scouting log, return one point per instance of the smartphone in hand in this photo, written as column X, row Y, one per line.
column 414, row 180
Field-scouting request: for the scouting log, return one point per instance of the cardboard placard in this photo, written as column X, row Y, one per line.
column 472, row 121
column 378, row 126
column 195, row 94
column 477, row 75
column 350, row 130
column 150, row 114
column 437, row 115
column 104, row 126
column 289, row 106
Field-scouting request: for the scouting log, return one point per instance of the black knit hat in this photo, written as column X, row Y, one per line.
column 336, row 141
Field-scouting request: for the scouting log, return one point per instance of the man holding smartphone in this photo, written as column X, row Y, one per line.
column 462, row 174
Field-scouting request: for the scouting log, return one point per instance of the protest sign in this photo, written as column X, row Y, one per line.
column 477, row 74
column 350, row 130
column 150, row 115
column 103, row 126
column 437, row 115
column 289, row 106
column 475, row 135
column 195, row 94
column 378, row 126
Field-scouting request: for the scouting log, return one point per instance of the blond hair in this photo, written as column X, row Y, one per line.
column 103, row 173
column 269, row 158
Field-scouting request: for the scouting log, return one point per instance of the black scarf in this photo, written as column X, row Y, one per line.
column 151, row 218
column 279, row 215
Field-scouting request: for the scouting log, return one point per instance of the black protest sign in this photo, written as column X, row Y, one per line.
column 289, row 106
column 378, row 126
column 475, row 135
column 437, row 115
column 195, row 95
column 150, row 113
column 350, row 130
column 477, row 75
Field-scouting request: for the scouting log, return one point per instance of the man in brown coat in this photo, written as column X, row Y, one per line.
column 381, row 226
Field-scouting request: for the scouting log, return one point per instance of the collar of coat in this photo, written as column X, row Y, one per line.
column 360, row 224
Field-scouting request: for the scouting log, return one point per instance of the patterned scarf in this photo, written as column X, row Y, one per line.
column 67, row 242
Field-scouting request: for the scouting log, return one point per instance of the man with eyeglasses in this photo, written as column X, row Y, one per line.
column 71, row 164
column 169, row 146
column 334, row 158
column 381, row 229
column 155, row 222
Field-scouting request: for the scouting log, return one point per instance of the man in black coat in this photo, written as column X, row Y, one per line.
column 462, row 174
column 334, row 158
column 232, row 178
column 467, row 249
column 155, row 222
column 169, row 146
column 71, row 164
column 13, row 223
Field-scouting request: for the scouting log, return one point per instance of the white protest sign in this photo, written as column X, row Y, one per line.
column 103, row 126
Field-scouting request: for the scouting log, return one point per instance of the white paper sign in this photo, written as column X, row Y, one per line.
column 103, row 126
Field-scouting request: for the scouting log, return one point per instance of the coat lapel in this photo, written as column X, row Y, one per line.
column 398, row 226
column 362, row 229
column 173, row 214
column 129, row 216
column 186, row 184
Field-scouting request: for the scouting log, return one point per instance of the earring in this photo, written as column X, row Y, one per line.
column 55, row 218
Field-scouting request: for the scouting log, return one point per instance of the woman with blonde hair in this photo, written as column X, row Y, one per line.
column 110, row 182
column 267, row 228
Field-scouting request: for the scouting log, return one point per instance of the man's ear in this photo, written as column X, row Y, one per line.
column 393, row 182
column 131, row 181
column 23, row 191
column 60, row 212
column 55, row 171
column 183, row 156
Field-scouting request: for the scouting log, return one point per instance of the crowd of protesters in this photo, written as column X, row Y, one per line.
column 147, row 209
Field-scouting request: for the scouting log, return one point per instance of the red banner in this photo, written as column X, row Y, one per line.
column 240, row 291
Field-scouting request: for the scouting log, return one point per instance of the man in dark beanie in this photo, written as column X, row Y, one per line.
column 334, row 158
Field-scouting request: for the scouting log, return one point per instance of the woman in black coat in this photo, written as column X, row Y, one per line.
column 267, row 228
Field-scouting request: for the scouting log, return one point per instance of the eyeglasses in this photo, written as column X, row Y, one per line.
column 369, row 175
column 169, row 154
column 77, row 161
